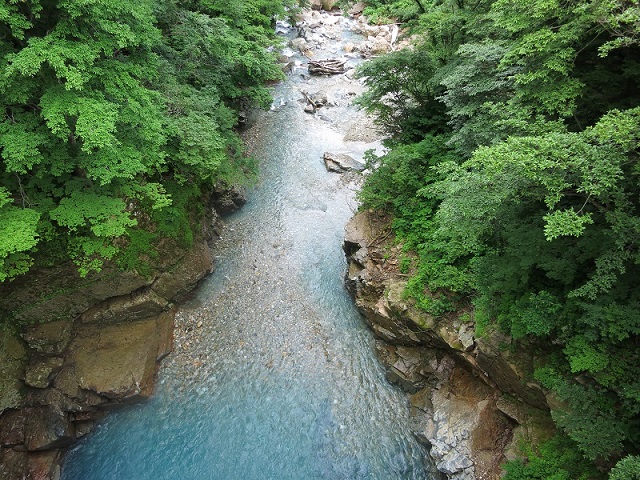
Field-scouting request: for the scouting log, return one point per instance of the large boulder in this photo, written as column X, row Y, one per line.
column 341, row 162
column 328, row 5
column 357, row 9
column 380, row 45
column 227, row 199
column 40, row 373
column 138, row 305
column 59, row 293
column 176, row 283
column 508, row 371
column 119, row 361
column 12, row 428
column 44, row 465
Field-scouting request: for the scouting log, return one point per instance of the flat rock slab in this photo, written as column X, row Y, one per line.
column 340, row 162
column 119, row 361
column 12, row 428
column 12, row 463
column 49, row 338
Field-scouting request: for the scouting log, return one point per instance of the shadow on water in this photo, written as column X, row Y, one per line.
column 274, row 374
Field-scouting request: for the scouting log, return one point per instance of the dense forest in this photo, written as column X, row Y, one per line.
column 118, row 118
column 512, row 179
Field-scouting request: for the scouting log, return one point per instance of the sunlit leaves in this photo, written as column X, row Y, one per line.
column 14, row 19
column 17, row 230
column 110, row 105
column 18, row 234
column 565, row 222
column 92, row 121
column 620, row 128
column 21, row 143
column 116, row 23
column 626, row 469
column 620, row 18
column 70, row 60
column 104, row 216
column 583, row 356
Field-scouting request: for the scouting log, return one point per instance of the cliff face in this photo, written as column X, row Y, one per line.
column 87, row 344
column 471, row 401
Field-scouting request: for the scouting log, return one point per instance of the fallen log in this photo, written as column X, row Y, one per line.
column 326, row 67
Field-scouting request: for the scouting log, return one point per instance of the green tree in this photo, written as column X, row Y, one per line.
column 114, row 112
column 80, row 122
column 530, row 205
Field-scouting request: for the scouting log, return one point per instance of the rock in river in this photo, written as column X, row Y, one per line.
column 340, row 162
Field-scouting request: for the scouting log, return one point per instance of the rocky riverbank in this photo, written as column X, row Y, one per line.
column 471, row 398
column 87, row 345
column 95, row 343
column 90, row 344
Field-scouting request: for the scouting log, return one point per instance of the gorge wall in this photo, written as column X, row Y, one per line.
column 85, row 345
column 471, row 401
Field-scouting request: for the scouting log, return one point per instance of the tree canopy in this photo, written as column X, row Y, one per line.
column 525, row 199
column 115, row 113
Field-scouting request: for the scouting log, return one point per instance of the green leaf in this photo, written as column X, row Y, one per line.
column 102, row 215
column 18, row 237
column 565, row 223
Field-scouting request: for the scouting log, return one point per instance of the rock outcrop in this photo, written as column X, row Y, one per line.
column 86, row 345
column 471, row 401
column 341, row 162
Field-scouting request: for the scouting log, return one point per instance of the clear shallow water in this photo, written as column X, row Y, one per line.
column 274, row 374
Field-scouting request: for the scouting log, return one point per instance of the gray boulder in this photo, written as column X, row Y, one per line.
column 340, row 162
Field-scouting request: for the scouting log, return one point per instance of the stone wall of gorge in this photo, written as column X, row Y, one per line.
column 471, row 397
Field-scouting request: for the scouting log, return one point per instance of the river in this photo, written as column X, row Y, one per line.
column 274, row 374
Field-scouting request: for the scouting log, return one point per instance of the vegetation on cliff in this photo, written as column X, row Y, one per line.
column 513, row 176
column 117, row 116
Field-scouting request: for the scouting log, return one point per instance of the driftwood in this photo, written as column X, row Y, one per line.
column 310, row 100
column 326, row 67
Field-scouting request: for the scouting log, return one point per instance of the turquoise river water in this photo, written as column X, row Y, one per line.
column 274, row 374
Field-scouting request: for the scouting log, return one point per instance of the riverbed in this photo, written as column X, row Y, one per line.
column 273, row 374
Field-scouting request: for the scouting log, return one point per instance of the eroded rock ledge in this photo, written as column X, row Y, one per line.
column 90, row 344
column 471, row 402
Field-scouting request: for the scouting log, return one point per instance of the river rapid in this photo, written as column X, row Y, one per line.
column 274, row 374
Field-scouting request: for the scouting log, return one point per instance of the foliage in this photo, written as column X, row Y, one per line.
column 18, row 234
column 115, row 110
column 529, row 206
column 557, row 459
column 626, row 469
column 589, row 415
column 400, row 94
